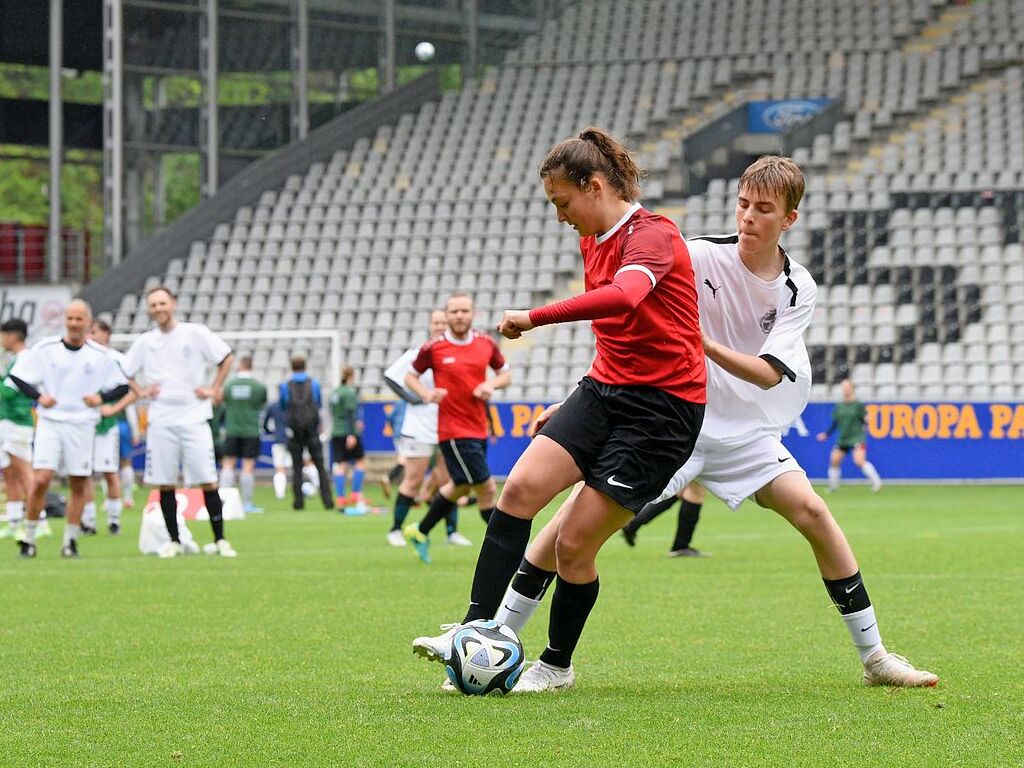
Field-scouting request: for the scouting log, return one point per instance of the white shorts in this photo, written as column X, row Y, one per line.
column 106, row 453
column 411, row 448
column 279, row 456
column 186, row 446
column 733, row 473
column 16, row 439
column 64, row 445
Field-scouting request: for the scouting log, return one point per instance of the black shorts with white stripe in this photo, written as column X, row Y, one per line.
column 466, row 459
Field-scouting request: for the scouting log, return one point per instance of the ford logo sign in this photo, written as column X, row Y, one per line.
column 786, row 114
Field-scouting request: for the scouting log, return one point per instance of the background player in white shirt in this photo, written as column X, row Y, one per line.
column 755, row 304
column 174, row 360
column 417, row 443
column 69, row 377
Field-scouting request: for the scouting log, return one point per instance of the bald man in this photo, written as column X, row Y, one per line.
column 68, row 377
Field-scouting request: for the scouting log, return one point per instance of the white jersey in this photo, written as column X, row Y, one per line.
column 420, row 421
column 68, row 375
column 178, row 361
column 756, row 317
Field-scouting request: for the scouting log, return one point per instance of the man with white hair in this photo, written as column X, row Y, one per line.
column 68, row 377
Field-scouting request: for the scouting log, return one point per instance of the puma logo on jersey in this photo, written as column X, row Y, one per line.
column 630, row 230
column 714, row 290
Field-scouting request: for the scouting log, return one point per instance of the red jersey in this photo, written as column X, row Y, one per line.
column 658, row 344
column 459, row 366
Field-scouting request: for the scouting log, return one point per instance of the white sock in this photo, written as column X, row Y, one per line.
column 863, row 629
column 127, row 480
column 280, row 484
column 30, row 530
column 71, row 532
column 834, row 474
column 312, row 476
column 88, row 515
column 227, row 478
column 114, row 510
column 246, row 483
column 15, row 512
column 515, row 610
column 870, row 472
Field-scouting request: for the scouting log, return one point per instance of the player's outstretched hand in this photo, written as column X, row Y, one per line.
column 208, row 393
column 515, row 323
column 152, row 392
column 46, row 401
column 543, row 419
column 350, row 442
column 822, row 437
column 437, row 395
column 106, row 411
column 92, row 400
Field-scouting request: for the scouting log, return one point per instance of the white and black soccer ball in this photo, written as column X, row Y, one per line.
column 484, row 657
column 425, row 51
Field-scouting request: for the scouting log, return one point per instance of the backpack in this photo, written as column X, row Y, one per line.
column 302, row 414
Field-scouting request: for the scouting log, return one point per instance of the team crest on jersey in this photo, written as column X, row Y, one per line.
column 448, row 360
column 768, row 321
column 630, row 230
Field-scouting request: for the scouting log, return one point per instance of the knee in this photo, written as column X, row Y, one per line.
column 809, row 512
column 516, row 493
column 571, row 552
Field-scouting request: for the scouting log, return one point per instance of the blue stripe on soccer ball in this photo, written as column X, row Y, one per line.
column 484, row 657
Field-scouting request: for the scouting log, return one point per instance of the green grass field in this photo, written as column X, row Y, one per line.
column 298, row 652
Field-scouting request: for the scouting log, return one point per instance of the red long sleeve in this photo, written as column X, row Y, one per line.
column 622, row 295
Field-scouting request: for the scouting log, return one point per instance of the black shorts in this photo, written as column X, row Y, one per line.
column 847, row 447
column 341, row 454
column 627, row 441
column 242, row 447
column 466, row 459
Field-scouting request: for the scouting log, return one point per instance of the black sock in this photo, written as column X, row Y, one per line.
column 501, row 552
column 486, row 513
column 452, row 519
column 436, row 512
column 689, row 515
column 849, row 594
column 216, row 512
column 169, row 508
column 396, row 473
column 532, row 582
column 648, row 513
column 570, row 607
column 403, row 504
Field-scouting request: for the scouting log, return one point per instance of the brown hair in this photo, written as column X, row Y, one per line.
column 103, row 325
column 347, row 373
column 775, row 175
column 245, row 363
column 458, row 295
column 298, row 363
column 595, row 151
column 163, row 288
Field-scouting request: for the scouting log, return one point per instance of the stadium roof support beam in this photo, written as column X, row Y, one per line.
column 387, row 81
column 208, row 116
column 113, row 131
column 300, row 69
column 56, row 134
column 471, row 16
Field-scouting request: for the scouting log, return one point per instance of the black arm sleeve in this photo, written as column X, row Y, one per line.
column 26, row 389
column 406, row 394
column 115, row 394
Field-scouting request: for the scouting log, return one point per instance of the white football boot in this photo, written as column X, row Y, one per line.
column 892, row 669
column 169, row 550
column 395, row 538
column 436, row 648
column 224, row 548
column 541, row 677
column 458, row 540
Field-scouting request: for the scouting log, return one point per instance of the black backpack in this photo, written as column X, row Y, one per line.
column 302, row 414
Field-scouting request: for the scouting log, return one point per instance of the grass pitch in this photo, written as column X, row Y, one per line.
column 298, row 652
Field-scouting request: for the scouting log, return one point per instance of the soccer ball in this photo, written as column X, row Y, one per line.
column 424, row 51
column 308, row 489
column 485, row 657
column 208, row 549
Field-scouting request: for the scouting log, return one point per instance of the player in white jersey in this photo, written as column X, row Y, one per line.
column 174, row 361
column 417, row 443
column 755, row 304
column 106, row 450
column 69, row 377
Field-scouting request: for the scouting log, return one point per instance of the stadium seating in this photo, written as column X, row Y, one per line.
column 911, row 223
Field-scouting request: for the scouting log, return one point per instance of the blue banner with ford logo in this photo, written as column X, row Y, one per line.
column 779, row 116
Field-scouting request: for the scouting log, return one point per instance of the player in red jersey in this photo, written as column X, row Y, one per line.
column 459, row 359
column 634, row 417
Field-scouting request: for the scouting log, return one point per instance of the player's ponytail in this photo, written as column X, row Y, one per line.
column 595, row 151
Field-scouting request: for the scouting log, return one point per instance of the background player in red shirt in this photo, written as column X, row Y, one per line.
column 634, row 417
column 459, row 359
